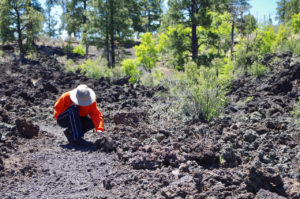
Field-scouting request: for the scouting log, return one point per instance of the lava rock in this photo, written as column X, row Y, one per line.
column 229, row 156
column 265, row 194
column 27, row 128
column 4, row 115
column 292, row 188
column 250, row 135
column 1, row 164
column 6, row 127
column 255, row 116
column 105, row 144
column 129, row 118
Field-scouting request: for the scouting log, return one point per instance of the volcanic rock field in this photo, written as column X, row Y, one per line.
column 147, row 151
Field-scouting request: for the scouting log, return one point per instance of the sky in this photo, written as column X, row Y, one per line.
column 264, row 8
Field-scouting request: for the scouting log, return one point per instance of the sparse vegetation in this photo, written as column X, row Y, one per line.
column 257, row 70
column 130, row 67
column 79, row 50
column 200, row 94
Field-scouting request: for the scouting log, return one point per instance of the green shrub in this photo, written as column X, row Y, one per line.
column 177, row 44
column 79, row 50
column 154, row 78
column 147, row 52
column 95, row 69
column 245, row 55
column 202, row 95
column 130, row 67
column 117, row 72
column 292, row 45
column 70, row 65
column 296, row 111
column 224, row 69
column 257, row 69
column 266, row 39
column 295, row 23
column 67, row 48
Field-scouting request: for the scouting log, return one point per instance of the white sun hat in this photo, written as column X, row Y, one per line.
column 82, row 95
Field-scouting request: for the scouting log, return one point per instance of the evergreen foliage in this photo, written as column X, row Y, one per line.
column 51, row 22
column 286, row 9
column 257, row 69
column 20, row 21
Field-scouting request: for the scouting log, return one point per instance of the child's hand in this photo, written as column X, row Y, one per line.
column 99, row 132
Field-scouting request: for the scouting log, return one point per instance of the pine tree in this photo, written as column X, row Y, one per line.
column 193, row 13
column 151, row 12
column 22, row 18
column 281, row 10
column 111, row 24
column 51, row 22
column 286, row 9
column 237, row 8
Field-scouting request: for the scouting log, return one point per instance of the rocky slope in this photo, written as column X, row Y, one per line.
column 251, row 151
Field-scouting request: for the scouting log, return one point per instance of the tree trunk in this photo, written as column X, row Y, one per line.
column 195, row 45
column 19, row 30
column 112, row 39
column 49, row 19
column 148, row 16
column 107, row 48
column 84, row 20
column 29, row 26
column 232, row 36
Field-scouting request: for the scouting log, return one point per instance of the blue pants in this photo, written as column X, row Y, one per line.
column 78, row 125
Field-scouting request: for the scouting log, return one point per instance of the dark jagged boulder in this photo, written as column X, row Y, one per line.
column 122, row 81
column 265, row 194
column 4, row 115
column 27, row 128
column 105, row 144
column 1, row 164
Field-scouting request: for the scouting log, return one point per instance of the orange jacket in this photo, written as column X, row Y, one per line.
column 64, row 102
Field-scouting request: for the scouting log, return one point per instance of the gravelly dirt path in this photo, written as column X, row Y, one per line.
column 63, row 171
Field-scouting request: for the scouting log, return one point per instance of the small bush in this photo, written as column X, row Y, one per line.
column 295, row 23
column 95, row 69
column 117, row 72
column 282, row 36
column 245, row 55
column 153, row 79
column 70, row 65
column 202, row 95
column 79, row 50
column 67, row 48
column 130, row 67
column 257, row 70
column 292, row 45
column 147, row 52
